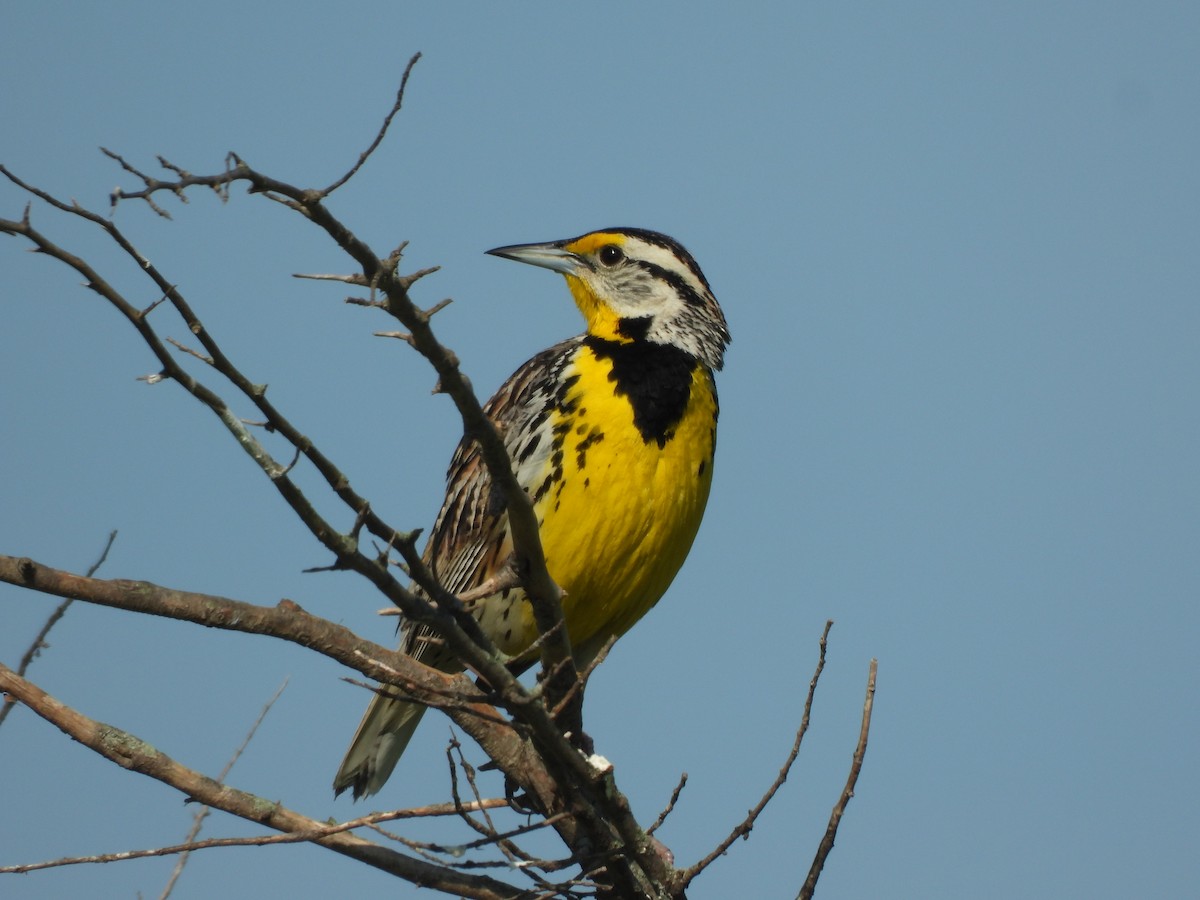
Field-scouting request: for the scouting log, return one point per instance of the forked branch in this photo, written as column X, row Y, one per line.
column 39, row 642
column 743, row 828
column 129, row 752
column 580, row 802
column 839, row 808
column 382, row 276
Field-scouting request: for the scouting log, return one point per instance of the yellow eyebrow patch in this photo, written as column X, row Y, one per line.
column 589, row 243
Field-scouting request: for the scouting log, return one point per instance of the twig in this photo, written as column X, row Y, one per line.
column 362, row 158
column 131, row 752
column 501, row 838
column 189, row 351
column 436, row 851
column 146, row 179
column 743, row 828
column 513, row 854
column 839, row 808
column 662, row 816
column 502, row 580
column 583, row 677
column 602, row 821
column 594, row 804
column 39, row 642
column 354, row 278
column 457, row 627
column 442, row 809
column 203, row 812
column 261, row 840
column 486, row 828
column 464, row 697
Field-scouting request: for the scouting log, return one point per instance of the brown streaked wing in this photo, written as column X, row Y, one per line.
column 470, row 542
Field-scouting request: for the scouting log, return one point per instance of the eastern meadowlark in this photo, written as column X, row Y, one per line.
column 611, row 433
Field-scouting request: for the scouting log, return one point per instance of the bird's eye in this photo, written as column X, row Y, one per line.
column 610, row 255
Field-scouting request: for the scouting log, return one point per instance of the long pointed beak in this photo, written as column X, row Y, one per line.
column 547, row 256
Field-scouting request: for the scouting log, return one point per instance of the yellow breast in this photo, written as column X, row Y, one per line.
column 623, row 506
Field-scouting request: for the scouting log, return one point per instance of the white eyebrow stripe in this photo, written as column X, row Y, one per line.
column 664, row 258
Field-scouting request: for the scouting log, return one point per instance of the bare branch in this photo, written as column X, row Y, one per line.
column 553, row 774
column 382, row 130
column 467, row 638
column 574, row 694
column 218, row 183
column 153, row 306
column 381, row 275
column 440, row 809
column 202, row 814
column 839, row 808
column 368, row 821
column 353, row 278
column 743, row 828
column 582, row 802
column 452, row 698
column 437, row 308
column 39, row 642
column 120, row 160
column 130, row 752
column 398, row 335
column 412, row 278
column 289, row 622
column 662, row 816
column 190, row 352
column 461, row 630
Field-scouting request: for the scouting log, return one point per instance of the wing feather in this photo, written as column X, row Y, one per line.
column 470, row 540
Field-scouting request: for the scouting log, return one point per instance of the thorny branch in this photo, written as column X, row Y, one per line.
column 582, row 803
column 596, row 805
column 289, row 622
column 459, row 629
column 383, row 278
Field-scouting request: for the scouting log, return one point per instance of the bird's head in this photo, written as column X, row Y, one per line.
column 635, row 285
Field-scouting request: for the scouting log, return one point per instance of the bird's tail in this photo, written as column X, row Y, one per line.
column 382, row 735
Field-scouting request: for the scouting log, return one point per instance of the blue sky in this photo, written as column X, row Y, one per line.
column 957, row 248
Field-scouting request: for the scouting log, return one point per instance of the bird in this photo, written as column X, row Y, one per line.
column 612, row 435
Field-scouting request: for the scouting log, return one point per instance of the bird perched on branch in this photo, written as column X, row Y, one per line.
column 611, row 434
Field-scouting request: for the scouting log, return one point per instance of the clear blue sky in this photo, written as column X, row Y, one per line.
column 959, row 248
